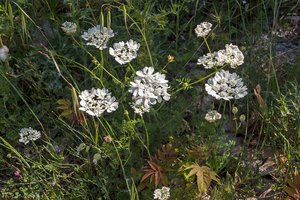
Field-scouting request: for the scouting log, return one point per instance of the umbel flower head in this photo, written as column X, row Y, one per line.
column 124, row 52
column 162, row 194
column 3, row 53
column 98, row 37
column 203, row 29
column 139, row 109
column 231, row 55
column 210, row 60
column 226, row 86
column 148, row 88
column 28, row 134
column 212, row 116
column 69, row 27
column 96, row 101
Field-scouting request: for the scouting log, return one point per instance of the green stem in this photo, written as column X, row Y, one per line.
column 207, row 76
column 96, row 136
column 177, row 29
column 140, row 138
column 165, row 66
column 149, row 53
column 208, row 47
column 102, row 64
column 1, row 43
column 96, row 60
column 146, row 132
column 131, row 67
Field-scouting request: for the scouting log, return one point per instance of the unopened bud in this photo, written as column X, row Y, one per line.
column 243, row 49
column 125, row 112
column 9, row 155
column 170, row 58
column 234, row 110
column 242, row 118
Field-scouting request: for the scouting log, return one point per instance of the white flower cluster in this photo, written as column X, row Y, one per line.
column 231, row 55
column 203, row 29
column 226, row 86
column 148, row 88
column 98, row 37
column 162, row 194
column 3, row 53
column 97, row 101
column 210, row 60
column 28, row 134
column 212, row 116
column 124, row 52
column 69, row 27
column 139, row 109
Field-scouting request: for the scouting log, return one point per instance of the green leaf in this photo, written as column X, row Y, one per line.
column 81, row 147
column 97, row 156
column 66, row 112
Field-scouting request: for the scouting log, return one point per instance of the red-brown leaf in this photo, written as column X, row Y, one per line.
column 157, row 178
column 146, row 175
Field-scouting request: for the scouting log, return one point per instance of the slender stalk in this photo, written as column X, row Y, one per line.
column 140, row 138
column 165, row 66
column 146, row 132
column 177, row 29
column 96, row 136
column 121, row 163
column 102, row 64
column 131, row 67
column 148, row 49
column 97, row 61
column 208, row 47
column 208, row 75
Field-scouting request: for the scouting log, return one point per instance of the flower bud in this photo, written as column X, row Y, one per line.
column 234, row 110
column 107, row 139
column 242, row 118
column 125, row 112
column 243, row 49
column 170, row 58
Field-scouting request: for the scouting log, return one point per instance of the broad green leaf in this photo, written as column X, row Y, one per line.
column 82, row 146
column 66, row 112
column 97, row 156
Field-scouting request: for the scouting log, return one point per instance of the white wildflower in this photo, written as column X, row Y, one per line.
column 212, row 116
column 28, row 134
column 162, row 194
column 139, row 109
column 232, row 55
column 95, row 161
column 124, row 52
column 69, row 27
column 97, row 101
column 149, row 88
column 98, row 37
column 203, row 29
column 210, row 60
column 226, row 86
column 4, row 53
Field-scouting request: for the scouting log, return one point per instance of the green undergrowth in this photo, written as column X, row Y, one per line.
column 122, row 155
